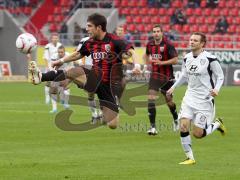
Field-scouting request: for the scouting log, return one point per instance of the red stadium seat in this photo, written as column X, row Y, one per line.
column 194, row 28
column 219, row 45
column 236, row 20
column 198, row 12
column 141, row 28
column 203, row 28
column 148, row 28
column 211, row 28
column 189, row 12
column 143, row 11
column 132, row 3
column 177, row 27
column 27, row 10
column 124, row 3
column 162, row 11
column 237, row 46
column 134, row 11
column 57, row 10
column 142, row 3
column 53, row 28
column 234, row 12
column 232, row 29
column 126, row 11
column 146, row 19
column 50, row 18
column 222, row 4
column 155, row 20
column 131, row 27
column 224, row 11
column 207, row 12
column 170, row 11
column 230, row 20
column 186, row 28
column 117, row 3
column 177, row 4
column 237, row 39
column 210, row 20
column 153, row 11
column 200, row 20
column 216, row 12
column 165, row 19
column 59, row 18
column 203, row 4
column 192, row 20
column 238, row 4
column 166, row 28
column 129, row 19
column 137, row 19
column 230, row 3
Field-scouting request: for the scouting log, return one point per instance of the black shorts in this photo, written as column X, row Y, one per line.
column 108, row 93
column 157, row 85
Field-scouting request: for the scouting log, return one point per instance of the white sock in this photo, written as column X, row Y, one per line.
column 187, row 144
column 61, row 94
column 93, row 107
column 54, row 101
column 47, row 96
column 212, row 127
column 66, row 93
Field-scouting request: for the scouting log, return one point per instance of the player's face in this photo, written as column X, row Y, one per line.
column 195, row 42
column 157, row 33
column 120, row 31
column 54, row 39
column 92, row 30
column 61, row 53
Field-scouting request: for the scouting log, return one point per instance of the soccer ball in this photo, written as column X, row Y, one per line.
column 26, row 43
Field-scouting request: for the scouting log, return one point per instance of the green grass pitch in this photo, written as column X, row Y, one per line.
column 33, row 147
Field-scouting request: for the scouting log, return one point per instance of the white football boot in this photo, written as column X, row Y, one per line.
column 34, row 73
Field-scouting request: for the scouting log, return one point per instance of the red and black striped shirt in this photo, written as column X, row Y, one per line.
column 107, row 56
column 163, row 52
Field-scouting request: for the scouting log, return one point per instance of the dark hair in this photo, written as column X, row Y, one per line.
column 203, row 37
column 158, row 26
column 98, row 20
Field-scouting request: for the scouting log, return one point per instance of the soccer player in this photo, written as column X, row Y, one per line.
column 60, row 88
column 161, row 55
column 49, row 50
column 106, row 51
column 205, row 77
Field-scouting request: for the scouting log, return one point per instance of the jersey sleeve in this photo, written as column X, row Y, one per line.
column 83, row 49
column 218, row 74
column 122, row 45
column 172, row 52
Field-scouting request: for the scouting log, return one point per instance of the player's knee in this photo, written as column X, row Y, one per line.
column 184, row 128
column 112, row 124
column 198, row 134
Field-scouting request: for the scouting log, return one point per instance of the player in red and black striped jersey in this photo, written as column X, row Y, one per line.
column 105, row 76
column 161, row 55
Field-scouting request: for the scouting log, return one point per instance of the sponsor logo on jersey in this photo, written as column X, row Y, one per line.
column 157, row 56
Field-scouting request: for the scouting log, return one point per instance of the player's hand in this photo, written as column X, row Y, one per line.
column 137, row 69
column 170, row 91
column 56, row 64
column 213, row 92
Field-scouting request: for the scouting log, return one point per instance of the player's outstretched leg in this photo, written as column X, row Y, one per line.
column 34, row 73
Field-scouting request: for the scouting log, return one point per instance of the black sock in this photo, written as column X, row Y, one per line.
column 173, row 111
column 53, row 76
column 152, row 112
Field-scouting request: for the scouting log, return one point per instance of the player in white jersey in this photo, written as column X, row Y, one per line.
column 60, row 88
column 87, row 63
column 49, row 50
column 205, row 77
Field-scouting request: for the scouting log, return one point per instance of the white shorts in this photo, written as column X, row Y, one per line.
column 201, row 115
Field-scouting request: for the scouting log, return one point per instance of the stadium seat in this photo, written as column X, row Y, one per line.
column 50, row 18
column 237, row 46
column 222, row 4
column 165, row 19
column 197, row 12
column 131, row 27
column 186, row 28
column 137, row 19
column 194, row 28
column 53, row 28
column 189, row 12
column 238, row 4
column 230, row 19
column 126, row 11
column 224, row 12
column 207, row 12
column 57, row 10
column 155, row 20
column 134, row 11
column 200, row 20
column 142, row 3
column 148, row 28
column 236, row 20
column 176, row 4
column 211, row 28
column 203, row 28
column 203, row 4
column 146, row 19
column 216, row 12
column 27, row 10
column 117, row 3
column 210, row 20
column 232, row 29
column 234, row 12
column 219, row 45
column 192, row 20
column 129, row 19
column 162, row 11
column 230, row 3
column 153, row 11
column 124, row 3
column 177, row 27
column 143, row 11
column 132, row 3
column 237, row 38
column 170, row 11
column 140, row 28
column 166, row 28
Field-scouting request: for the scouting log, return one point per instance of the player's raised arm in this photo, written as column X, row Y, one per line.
column 72, row 57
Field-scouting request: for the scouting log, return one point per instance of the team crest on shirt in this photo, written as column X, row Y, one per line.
column 202, row 61
column 107, row 47
column 161, row 48
column 203, row 118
